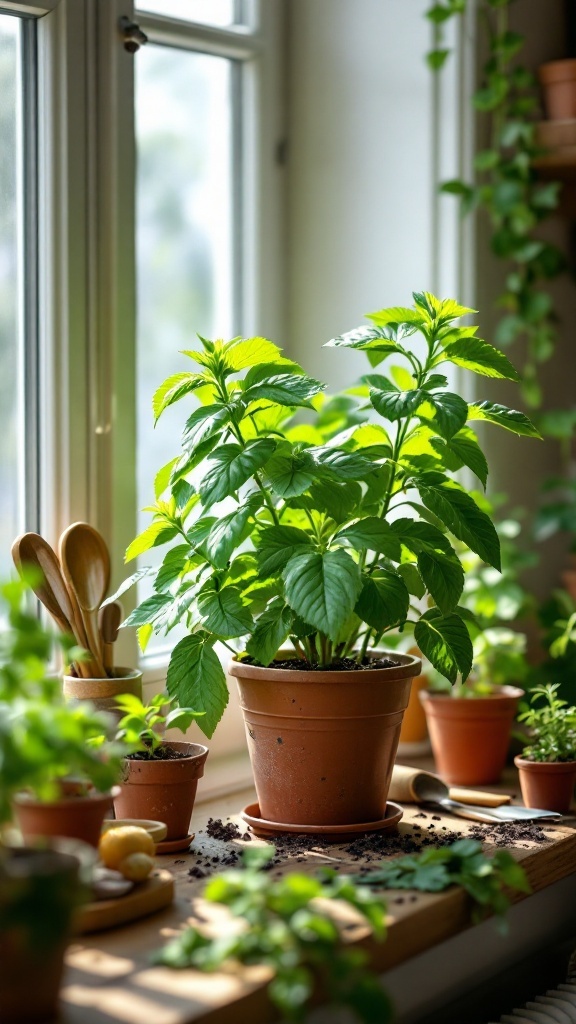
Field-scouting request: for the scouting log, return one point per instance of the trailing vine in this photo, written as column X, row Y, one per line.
column 506, row 187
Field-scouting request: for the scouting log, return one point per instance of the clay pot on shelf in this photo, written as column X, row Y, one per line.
column 470, row 736
column 102, row 693
column 558, row 81
column 32, row 946
column 548, row 785
column 163, row 790
column 414, row 732
column 322, row 744
column 75, row 817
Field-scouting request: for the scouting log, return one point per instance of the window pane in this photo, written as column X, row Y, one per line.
column 11, row 436
column 207, row 12
column 184, row 124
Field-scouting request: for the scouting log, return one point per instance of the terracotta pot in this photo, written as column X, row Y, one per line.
column 32, row 946
column 163, row 790
column 558, row 81
column 76, row 817
column 103, row 692
column 548, row 785
column 470, row 736
column 414, row 729
column 322, row 744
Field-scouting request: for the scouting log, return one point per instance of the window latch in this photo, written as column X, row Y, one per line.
column 132, row 34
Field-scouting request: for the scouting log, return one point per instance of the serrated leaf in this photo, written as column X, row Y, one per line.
column 392, row 403
column 384, row 600
column 250, row 352
column 373, row 339
column 277, row 545
column 463, row 518
column 341, row 464
column 444, row 578
column 144, row 634
column 148, row 611
column 163, row 477
column 451, row 412
column 225, row 534
column 146, row 570
column 412, row 579
column 224, row 613
column 322, row 588
column 196, row 679
column 480, row 357
column 285, row 389
column 467, row 450
column 420, row 536
column 272, row 629
column 372, row 533
column 445, row 641
column 203, row 424
column 172, row 566
column 502, row 416
column 231, row 466
column 338, row 500
column 158, row 532
column 175, row 388
column 290, row 473
column 396, row 315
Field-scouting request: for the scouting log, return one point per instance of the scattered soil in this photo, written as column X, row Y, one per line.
column 160, row 754
column 342, row 665
column 216, row 829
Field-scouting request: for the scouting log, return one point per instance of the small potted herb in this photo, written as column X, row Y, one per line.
column 286, row 535
column 547, row 765
column 160, row 776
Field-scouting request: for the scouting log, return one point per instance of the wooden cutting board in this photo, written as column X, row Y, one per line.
column 146, row 898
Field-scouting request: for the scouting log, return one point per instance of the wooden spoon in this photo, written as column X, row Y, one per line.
column 31, row 549
column 109, row 619
column 86, row 567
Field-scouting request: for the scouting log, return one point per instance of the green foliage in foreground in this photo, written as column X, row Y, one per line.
column 320, row 533
column 283, row 927
column 462, row 863
column 552, row 725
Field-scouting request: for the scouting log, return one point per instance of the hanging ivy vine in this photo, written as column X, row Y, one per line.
column 506, row 187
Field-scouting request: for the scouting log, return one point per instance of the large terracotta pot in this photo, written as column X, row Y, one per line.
column 76, row 817
column 322, row 744
column 548, row 785
column 558, row 81
column 163, row 790
column 32, row 945
column 470, row 736
column 102, row 693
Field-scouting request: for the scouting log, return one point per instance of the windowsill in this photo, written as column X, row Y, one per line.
column 110, row 979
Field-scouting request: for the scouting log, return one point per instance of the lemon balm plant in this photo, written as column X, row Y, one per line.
column 284, row 534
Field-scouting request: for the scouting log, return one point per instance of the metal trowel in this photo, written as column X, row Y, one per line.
column 430, row 790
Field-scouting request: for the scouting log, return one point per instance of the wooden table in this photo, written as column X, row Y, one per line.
column 109, row 979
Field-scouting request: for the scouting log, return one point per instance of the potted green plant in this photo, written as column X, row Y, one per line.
column 160, row 776
column 323, row 545
column 39, row 888
column 547, row 766
column 58, row 770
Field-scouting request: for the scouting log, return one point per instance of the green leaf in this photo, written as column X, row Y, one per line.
column 465, row 447
column 285, row 389
column 174, row 561
column 419, row 537
column 339, row 500
column 372, row 533
column 276, row 545
column 203, row 424
column 173, row 389
column 158, row 532
column 340, row 464
column 384, row 600
column 412, row 579
column 322, row 588
column 231, row 466
column 148, row 611
column 392, row 403
column 451, row 412
column 251, row 352
column 272, row 629
column 437, row 58
column 464, row 519
column 163, row 477
column 197, row 680
column 445, row 641
column 226, row 534
column 397, row 315
column 480, row 357
column 444, row 578
column 289, row 472
column 224, row 613
column 126, row 584
column 189, row 460
column 371, row 339
column 510, row 419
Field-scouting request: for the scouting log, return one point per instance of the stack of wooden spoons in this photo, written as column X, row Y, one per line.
column 73, row 587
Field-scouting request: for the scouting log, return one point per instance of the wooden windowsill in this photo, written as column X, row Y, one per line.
column 110, row 980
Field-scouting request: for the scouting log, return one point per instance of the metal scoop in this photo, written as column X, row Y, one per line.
column 433, row 791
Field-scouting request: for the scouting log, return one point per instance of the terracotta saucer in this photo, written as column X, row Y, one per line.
column 262, row 827
column 175, row 845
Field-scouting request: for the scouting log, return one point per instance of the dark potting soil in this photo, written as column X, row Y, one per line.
column 342, row 665
column 160, row 754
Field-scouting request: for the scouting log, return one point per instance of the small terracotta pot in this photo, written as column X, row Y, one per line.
column 558, row 81
column 414, row 729
column 32, row 946
column 470, row 736
column 103, row 692
column 76, row 817
column 163, row 790
column 322, row 744
column 548, row 785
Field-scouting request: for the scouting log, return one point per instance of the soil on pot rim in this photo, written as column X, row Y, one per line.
column 160, row 754
column 342, row 665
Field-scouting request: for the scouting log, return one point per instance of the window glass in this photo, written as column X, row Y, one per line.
column 12, row 442
column 184, row 117
column 208, row 12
